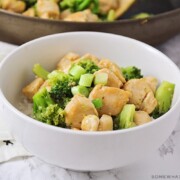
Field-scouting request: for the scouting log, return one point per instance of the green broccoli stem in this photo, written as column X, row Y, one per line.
column 164, row 95
column 84, row 4
column 80, row 90
column 76, row 71
column 40, row 71
column 86, row 80
column 126, row 116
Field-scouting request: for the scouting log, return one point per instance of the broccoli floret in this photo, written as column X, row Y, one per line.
column 45, row 109
column 126, row 116
column 164, row 96
column 131, row 72
column 39, row 71
column 61, row 85
column 89, row 66
column 54, row 115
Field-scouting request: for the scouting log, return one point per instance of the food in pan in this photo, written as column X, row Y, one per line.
column 69, row 10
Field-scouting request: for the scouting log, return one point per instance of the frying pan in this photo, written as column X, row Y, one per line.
column 165, row 23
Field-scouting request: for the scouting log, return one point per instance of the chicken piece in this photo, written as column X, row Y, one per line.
column 65, row 13
column 106, row 5
column 82, row 16
column 90, row 57
column 141, row 117
column 13, row 5
column 77, row 109
column 141, row 94
column 30, row 12
column 113, row 80
column 113, row 99
column 90, row 123
column 149, row 103
column 105, row 63
column 106, row 123
column 31, row 89
column 47, row 9
column 152, row 82
column 66, row 62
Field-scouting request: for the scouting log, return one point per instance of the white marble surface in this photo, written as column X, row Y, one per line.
column 163, row 164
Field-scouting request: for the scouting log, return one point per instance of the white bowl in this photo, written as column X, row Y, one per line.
column 85, row 151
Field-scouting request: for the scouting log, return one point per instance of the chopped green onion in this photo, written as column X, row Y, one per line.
column 80, row 90
column 111, row 15
column 86, row 80
column 98, row 103
column 77, row 71
column 101, row 78
column 40, row 71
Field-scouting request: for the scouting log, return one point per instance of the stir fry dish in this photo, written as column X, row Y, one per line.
column 91, row 94
column 69, row 10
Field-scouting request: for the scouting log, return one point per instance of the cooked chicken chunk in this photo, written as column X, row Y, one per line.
column 47, row 9
column 65, row 13
column 141, row 117
column 152, row 82
column 30, row 12
column 106, row 123
column 113, row 80
column 66, row 62
column 77, row 109
column 142, row 95
column 149, row 103
column 13, row 5
column 106, row 5
column 90, row 123
column 113, row 99
column 32, row 88
column 82, row 16
column 105, row 63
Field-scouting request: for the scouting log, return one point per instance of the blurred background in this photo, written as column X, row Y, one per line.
column 161, row 24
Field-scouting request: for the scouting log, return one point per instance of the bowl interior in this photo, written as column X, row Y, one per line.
column 16, row 69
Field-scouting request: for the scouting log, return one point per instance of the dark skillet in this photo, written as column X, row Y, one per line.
column 165, row 23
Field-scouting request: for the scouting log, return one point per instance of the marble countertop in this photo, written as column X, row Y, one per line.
column 163, row 164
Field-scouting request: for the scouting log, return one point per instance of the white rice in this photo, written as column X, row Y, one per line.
column 25, row 106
